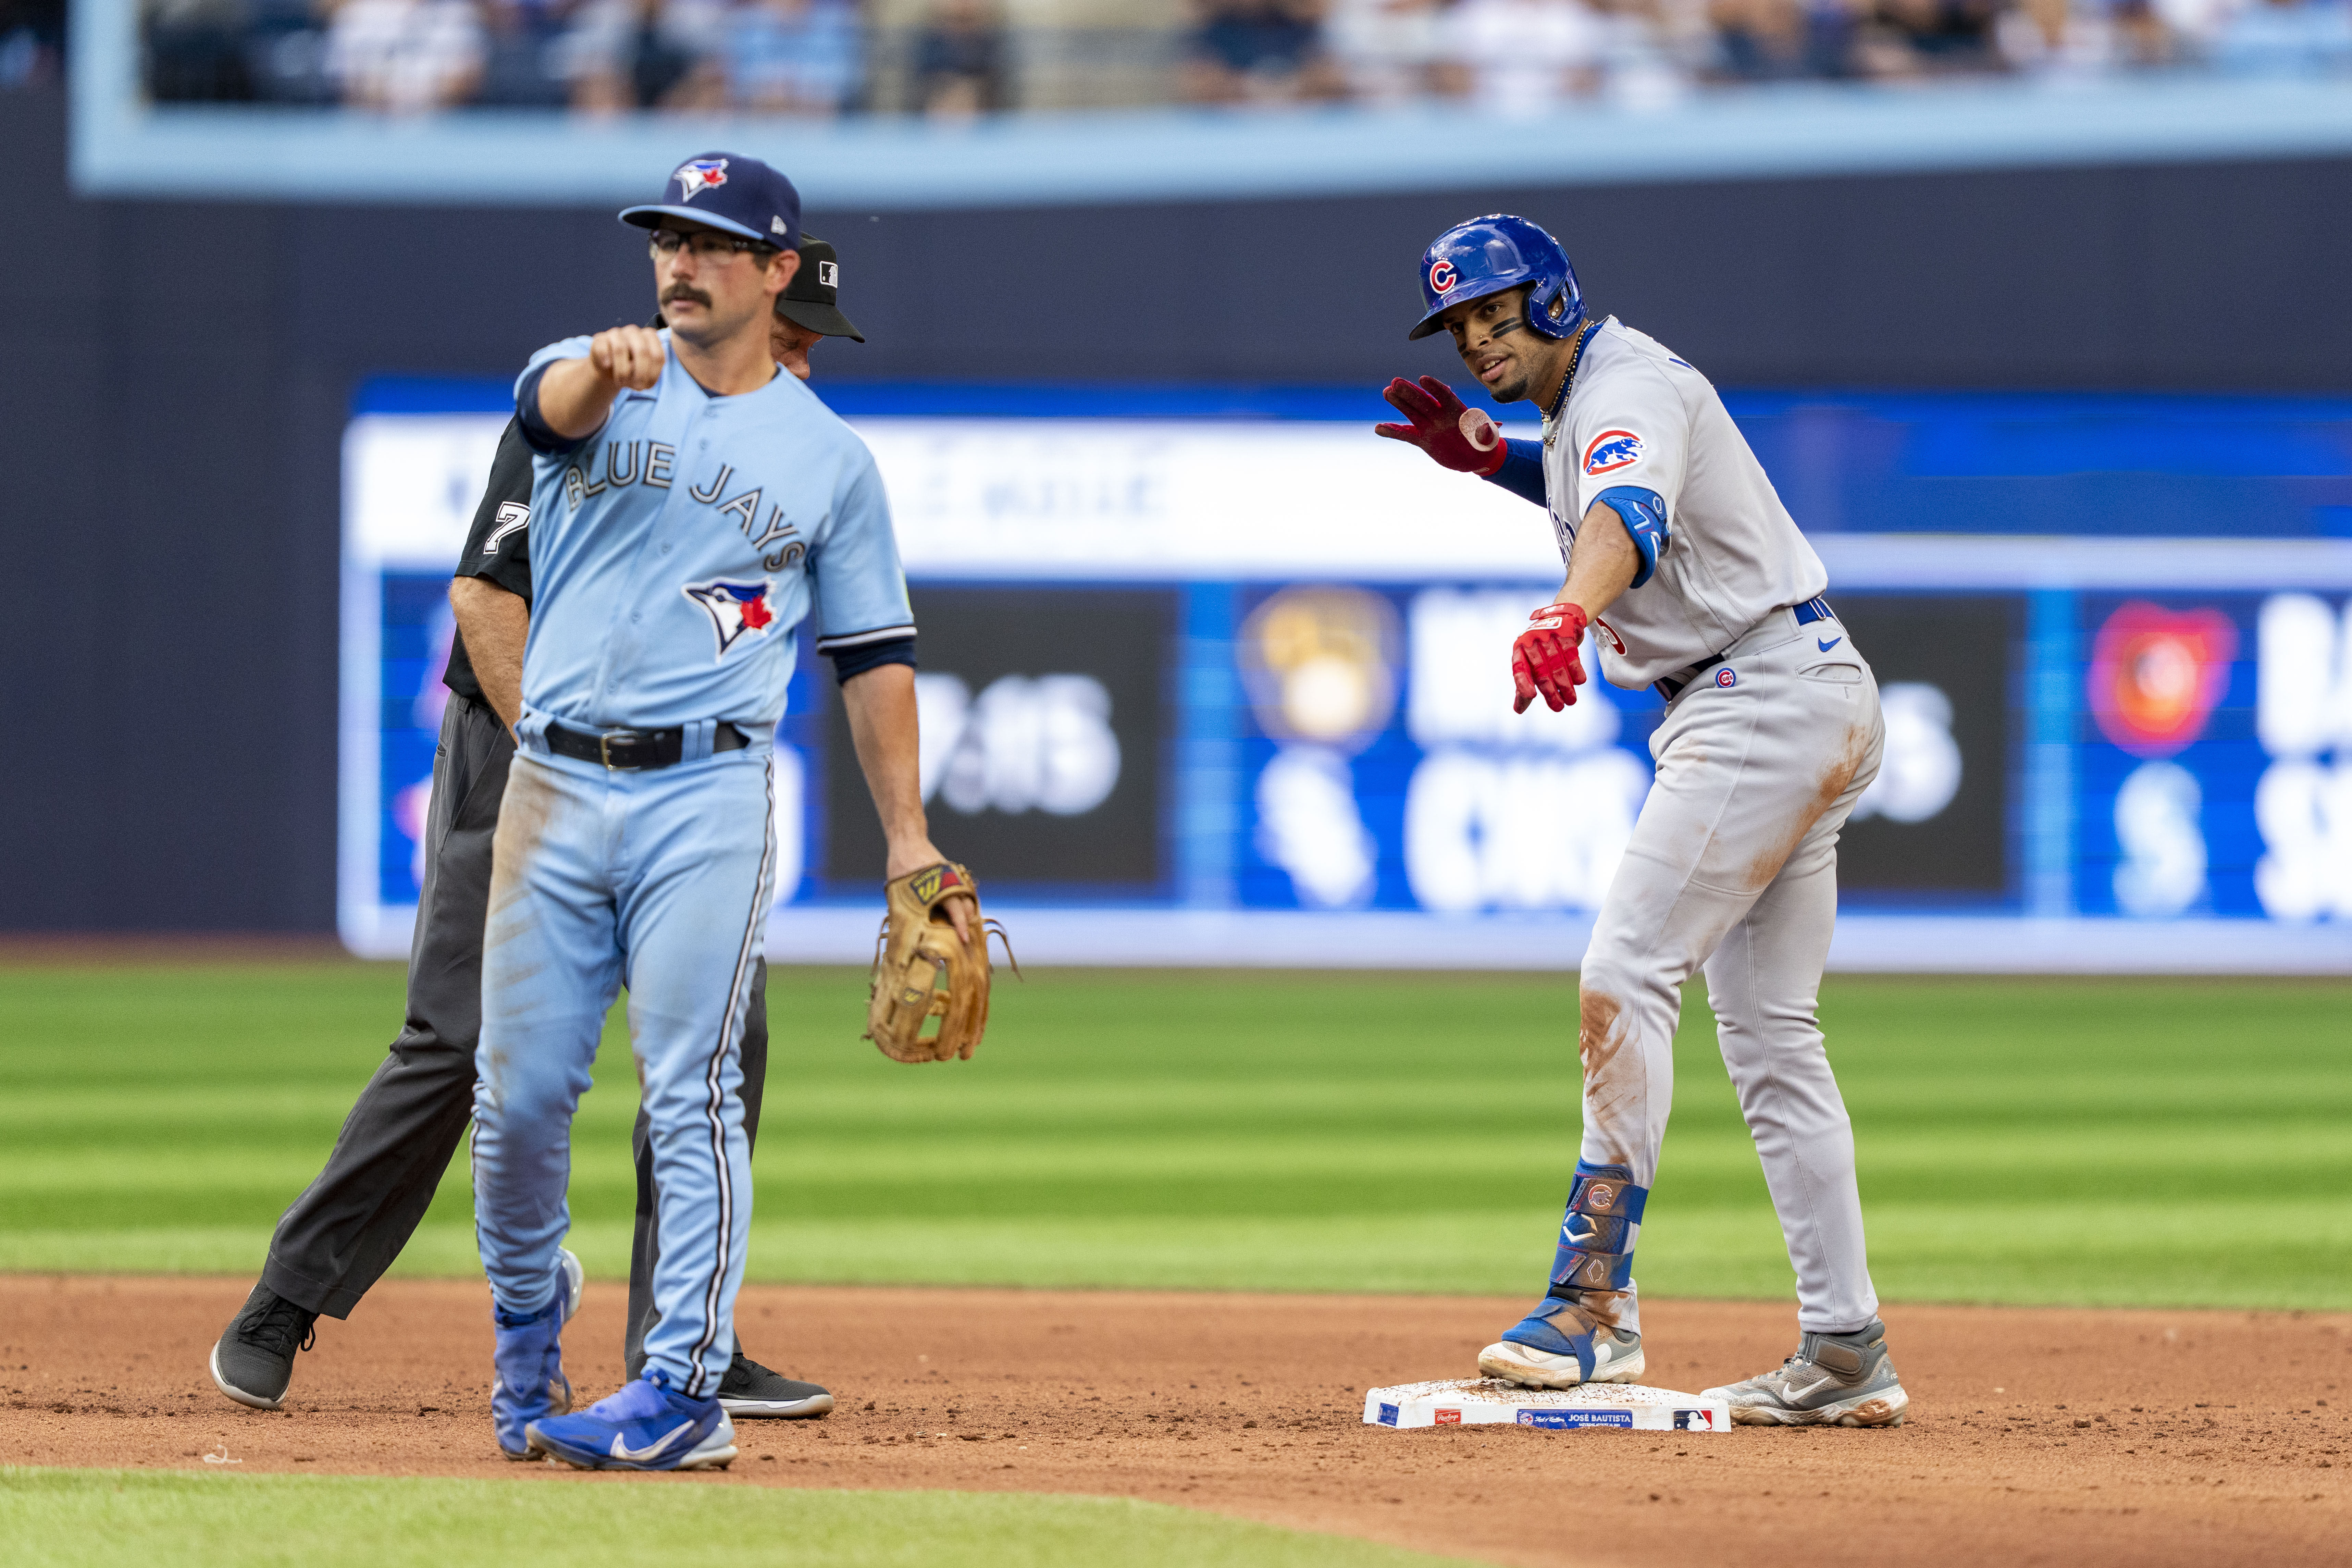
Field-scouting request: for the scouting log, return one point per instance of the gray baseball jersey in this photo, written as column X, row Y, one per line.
column 1730, row 553
column 1771, row 732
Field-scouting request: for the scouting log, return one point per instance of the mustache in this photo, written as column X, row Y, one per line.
column 686, row 291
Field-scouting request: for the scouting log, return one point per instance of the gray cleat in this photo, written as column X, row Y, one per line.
column 1833, row 1379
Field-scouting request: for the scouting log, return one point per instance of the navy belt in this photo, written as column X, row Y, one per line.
column 1671, row 687
column 633, row 751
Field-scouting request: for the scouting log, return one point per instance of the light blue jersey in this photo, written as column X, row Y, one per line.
column 677, row 548
column 673, row 553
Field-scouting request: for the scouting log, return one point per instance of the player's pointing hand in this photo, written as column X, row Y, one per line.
column 1546, row 659
column 1454, row 435
column 628, row 357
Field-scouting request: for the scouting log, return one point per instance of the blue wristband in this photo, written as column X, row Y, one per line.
column 1522, row 471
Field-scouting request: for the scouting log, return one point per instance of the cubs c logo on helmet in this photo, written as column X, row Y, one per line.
column 1441, row 276
column 1612, row 450
column 700, row 175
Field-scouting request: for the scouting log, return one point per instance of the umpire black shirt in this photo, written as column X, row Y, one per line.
column 497, row 547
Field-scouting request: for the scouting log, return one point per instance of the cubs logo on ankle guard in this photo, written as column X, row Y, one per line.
column 1595, row 1251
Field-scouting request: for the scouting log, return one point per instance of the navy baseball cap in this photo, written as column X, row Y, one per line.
column 730, row 192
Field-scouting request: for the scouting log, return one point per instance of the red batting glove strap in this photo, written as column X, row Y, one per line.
column 1546, row 660
column 1454, row 435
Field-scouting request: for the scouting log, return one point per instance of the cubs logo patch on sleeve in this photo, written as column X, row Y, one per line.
column 736, row 610
column 1612, row 450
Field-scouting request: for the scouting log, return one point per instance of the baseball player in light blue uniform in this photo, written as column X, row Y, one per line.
column 690, row 505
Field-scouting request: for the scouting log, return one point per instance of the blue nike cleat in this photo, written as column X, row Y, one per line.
column 529, row 1362
column 646, row 1427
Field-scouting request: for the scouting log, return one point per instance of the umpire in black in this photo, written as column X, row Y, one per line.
column 344, row 1231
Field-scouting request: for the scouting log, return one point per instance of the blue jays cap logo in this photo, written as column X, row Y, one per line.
column 736, row 610
column 700, row 175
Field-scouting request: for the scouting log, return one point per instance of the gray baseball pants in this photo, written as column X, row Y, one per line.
column 1733, row 867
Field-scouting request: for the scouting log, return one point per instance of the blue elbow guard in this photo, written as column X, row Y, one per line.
column 1522, row 471
column 1643, row 512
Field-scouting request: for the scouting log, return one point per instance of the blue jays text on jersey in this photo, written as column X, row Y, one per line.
column 677, row 547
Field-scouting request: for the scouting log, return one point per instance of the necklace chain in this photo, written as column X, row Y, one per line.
column 1575, row 358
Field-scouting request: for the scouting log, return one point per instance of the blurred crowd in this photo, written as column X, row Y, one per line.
column 962, row 57
column 32, row 42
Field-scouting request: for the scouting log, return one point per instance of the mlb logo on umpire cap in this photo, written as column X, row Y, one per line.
column 730, row 192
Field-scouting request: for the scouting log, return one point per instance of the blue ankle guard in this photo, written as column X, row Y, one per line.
column 1603, row 1207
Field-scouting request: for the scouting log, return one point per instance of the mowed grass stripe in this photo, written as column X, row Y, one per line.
column 98, row 1519
column 2157, row 1142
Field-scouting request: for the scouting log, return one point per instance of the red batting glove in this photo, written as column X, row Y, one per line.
column 1455, row 435
column 1548, row 659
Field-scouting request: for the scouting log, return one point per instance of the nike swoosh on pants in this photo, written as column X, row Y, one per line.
column 621, row 1449
column 1829, row 645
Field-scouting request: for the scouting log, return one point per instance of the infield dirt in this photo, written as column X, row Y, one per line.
column 2036, row 1436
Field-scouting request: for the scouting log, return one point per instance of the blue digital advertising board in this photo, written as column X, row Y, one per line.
column 1215, row 677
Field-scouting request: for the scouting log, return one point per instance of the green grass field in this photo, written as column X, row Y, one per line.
column 101, row 1518
column 2044, row 1141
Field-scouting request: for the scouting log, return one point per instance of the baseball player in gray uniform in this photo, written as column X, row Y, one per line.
column 1692, row 579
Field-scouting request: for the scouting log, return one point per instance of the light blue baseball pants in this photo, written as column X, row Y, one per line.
column 659, row 881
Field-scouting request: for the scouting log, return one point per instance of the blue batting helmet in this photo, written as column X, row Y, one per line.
column 1490, row 254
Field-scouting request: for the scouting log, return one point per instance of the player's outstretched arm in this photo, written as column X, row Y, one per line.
column 495, row 623
column 882, row 726
column 1546, row 660
column 1605, row 564
column 575, row 394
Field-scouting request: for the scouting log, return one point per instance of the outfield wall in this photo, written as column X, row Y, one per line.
column 182, row 374
column 1230, row 689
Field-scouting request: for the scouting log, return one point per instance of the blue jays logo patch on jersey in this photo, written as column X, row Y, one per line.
column 1442, row 276
column 699, row 175
column 738, row 610
column 1612, row 450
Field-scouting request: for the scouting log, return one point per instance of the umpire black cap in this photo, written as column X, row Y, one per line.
column 812, row 298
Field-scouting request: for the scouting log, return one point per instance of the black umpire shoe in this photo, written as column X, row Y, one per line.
column 750, row 1389
column 254, row 1360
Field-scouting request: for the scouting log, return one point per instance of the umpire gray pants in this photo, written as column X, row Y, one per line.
column 348, row 1226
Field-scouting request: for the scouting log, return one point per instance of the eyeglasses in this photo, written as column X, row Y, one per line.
column 705, row 245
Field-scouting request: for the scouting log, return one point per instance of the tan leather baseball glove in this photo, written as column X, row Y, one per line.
column 922, row 970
